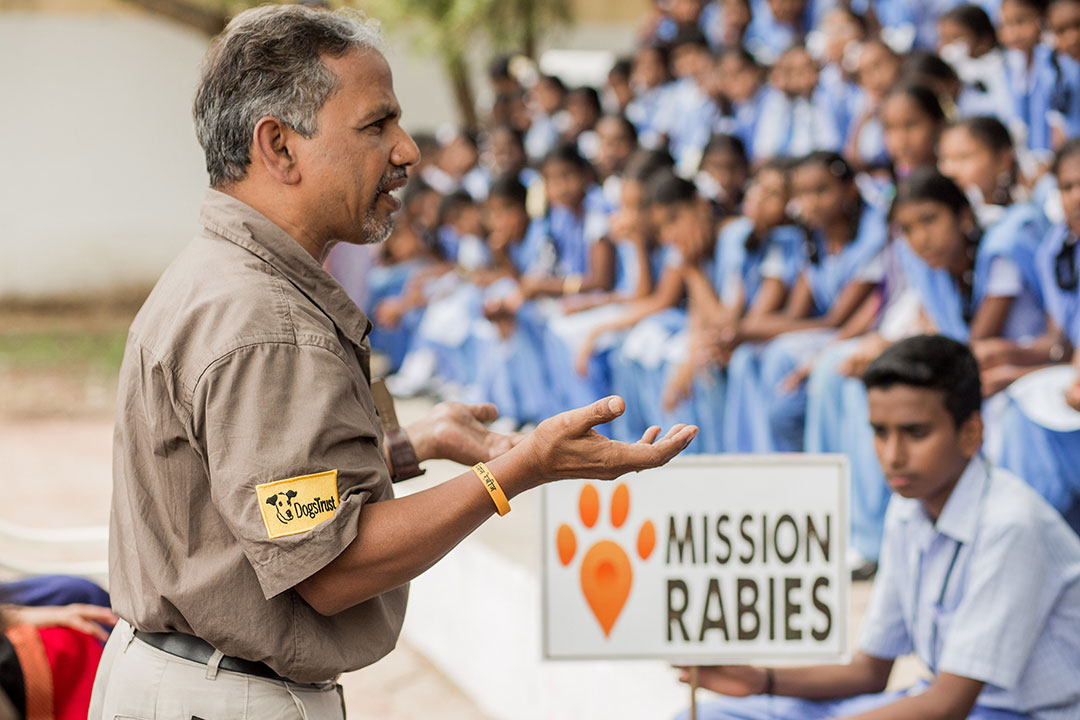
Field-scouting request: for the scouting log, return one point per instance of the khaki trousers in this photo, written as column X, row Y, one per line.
column 136, row 681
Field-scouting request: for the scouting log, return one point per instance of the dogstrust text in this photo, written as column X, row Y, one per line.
column 717, row 559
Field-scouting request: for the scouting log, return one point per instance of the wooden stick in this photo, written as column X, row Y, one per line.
column 693, row 692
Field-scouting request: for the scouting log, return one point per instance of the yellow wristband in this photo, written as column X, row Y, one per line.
column 492, row 485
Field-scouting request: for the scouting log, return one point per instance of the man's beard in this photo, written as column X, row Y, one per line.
column 375, row 230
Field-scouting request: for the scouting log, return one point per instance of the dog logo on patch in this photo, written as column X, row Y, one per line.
column 282, row 503
column 298, row 504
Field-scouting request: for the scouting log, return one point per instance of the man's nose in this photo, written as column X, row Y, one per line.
column 405, row 151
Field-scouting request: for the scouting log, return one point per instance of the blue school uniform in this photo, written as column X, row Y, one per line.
column 746, row 117
column 989, row 591
column 514, row 375
column 643, row 111
column 1043, row 93
column 847, row 427
column 794, row 126
column 738, row 272
column 686, row 118
column 1050, row 459
column 757, row 417
column 1015, row 239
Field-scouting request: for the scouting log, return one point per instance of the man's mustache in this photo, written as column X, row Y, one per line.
column 391, row 177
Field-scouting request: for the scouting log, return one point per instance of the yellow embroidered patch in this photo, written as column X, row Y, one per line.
column 298, row 504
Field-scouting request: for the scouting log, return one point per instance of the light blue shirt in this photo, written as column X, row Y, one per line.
column 990, row 592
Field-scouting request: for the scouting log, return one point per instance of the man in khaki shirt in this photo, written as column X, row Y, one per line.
column 257, row 550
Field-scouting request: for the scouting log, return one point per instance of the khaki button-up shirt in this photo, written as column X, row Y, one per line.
column 246, row 444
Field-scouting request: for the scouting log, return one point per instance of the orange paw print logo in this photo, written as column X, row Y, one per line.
column 606, row 572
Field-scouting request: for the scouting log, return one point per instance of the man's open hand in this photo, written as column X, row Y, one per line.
column 568, row 446
column 456, row 431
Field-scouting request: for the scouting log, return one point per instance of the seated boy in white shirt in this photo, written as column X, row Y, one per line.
column 979, row 576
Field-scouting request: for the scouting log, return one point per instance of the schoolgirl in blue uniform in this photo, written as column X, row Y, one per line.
column 557, row 260
column 970, row 285
column 1052, row 456
column 578, row 344
column 842, row 266
column 756, row 260
column 1044, row 83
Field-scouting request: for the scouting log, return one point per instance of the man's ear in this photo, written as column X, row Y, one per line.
column 971, row 435
column 271, row 148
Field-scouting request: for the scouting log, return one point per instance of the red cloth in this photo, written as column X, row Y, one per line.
column 73, row 657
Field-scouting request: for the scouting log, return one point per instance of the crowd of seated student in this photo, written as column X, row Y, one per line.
column 763, row 197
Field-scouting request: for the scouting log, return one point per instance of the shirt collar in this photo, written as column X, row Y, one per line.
column 960, row 515
column 239, row 223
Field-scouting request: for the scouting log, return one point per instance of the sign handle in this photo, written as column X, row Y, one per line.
column 693, row 692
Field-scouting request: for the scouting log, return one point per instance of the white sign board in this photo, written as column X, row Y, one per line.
column 710, row 559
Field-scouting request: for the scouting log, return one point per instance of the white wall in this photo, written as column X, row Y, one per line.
column 101, row 176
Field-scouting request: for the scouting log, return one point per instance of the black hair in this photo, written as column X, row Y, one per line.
column 589, row 95
column 567, row 152
column 928, row 65
column 644, row 164
column 660, row 49
column 975, row 19
column 622, row 67
column 929, row 184
column 989, row 132
column 626, row 125
column 857, row 18
column 453, row 204
column 722, row 142
column 834, row 162
column 689, row 36
column 1068, row 149
column 515, row 134
column 667, row 188
column 742, row 53
column 1038, row 6
column 508, row 187
column 553, row 80
column 932, row 362
column 924, row 97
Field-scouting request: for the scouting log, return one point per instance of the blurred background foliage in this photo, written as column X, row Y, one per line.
column 448, row 29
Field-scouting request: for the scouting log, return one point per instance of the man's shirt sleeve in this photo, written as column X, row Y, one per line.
column 292, row 454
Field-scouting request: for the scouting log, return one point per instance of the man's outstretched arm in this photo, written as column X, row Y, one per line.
column 398, row 539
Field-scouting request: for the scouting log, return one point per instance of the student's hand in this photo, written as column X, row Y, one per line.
column 1072, row 395
column 584, row 354
column 795, row 378
column 991, row 352
column 678, row 388
column 866, row 353
column 83, row 618
column 567, row 445
column 998, row 378
column 389, row 312
column 732, row 680
column 456, row 431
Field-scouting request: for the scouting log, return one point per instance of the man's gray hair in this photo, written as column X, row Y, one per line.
column 268, row 62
